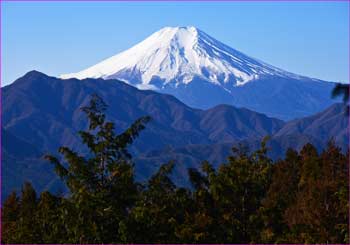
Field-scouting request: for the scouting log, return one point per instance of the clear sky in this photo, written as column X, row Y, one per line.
column 307, row 38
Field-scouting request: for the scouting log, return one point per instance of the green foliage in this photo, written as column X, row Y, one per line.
column 308, row 200
column 303, row 198
column 159, row 210
column 10, row 218
column 342, row 90
column 102, row 186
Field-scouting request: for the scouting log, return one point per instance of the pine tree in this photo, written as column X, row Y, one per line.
column 158, row 212
column 239, row 188
column 27, row 226
column 48, row 218
column 303, row 198
column 102, row 186
column 280, row 195
column 342, row 90
column 9, row 218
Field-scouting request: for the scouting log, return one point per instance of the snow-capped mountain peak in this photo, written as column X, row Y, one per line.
column 177, row 55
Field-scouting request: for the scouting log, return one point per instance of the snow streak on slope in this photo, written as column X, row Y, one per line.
column 178, row 54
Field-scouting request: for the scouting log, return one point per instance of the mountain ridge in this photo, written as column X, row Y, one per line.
column 53, row 101
column 43, row 112
column 203, row 72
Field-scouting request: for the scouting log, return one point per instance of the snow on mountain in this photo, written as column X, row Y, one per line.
column 178, row 54
column 203, row 72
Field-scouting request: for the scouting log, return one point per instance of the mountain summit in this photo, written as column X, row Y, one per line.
column 178, row 54
column 203, row 72
column 41, row 113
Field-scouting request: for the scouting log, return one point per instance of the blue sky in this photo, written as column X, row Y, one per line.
column 60, row 37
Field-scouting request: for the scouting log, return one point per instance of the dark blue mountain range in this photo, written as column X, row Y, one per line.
column 41, row 113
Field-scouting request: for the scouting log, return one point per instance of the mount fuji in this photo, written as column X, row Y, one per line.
column 203, row 72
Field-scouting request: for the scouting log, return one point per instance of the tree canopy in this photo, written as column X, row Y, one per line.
column 303, row 198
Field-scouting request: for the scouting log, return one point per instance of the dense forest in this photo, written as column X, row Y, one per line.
column 303, row 198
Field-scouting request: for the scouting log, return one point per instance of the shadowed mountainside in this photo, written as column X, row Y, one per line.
column 44, row 113
column 41, row 113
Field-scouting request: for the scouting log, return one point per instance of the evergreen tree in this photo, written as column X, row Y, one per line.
column 303, row 198
column 240, row 187
column 342, row 90
column 319, row 213
column 48, row 218
column 27, row 230
column 280, row 195
column 158, row 212
column 201, row 220
column 9, row 217
column 102, row 186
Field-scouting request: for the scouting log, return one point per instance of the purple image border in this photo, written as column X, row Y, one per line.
column 168, row 1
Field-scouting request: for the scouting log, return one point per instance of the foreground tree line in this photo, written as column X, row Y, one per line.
column 303, row 198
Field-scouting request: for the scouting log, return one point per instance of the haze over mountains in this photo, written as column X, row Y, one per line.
column 203, row 72
column 41, row 113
